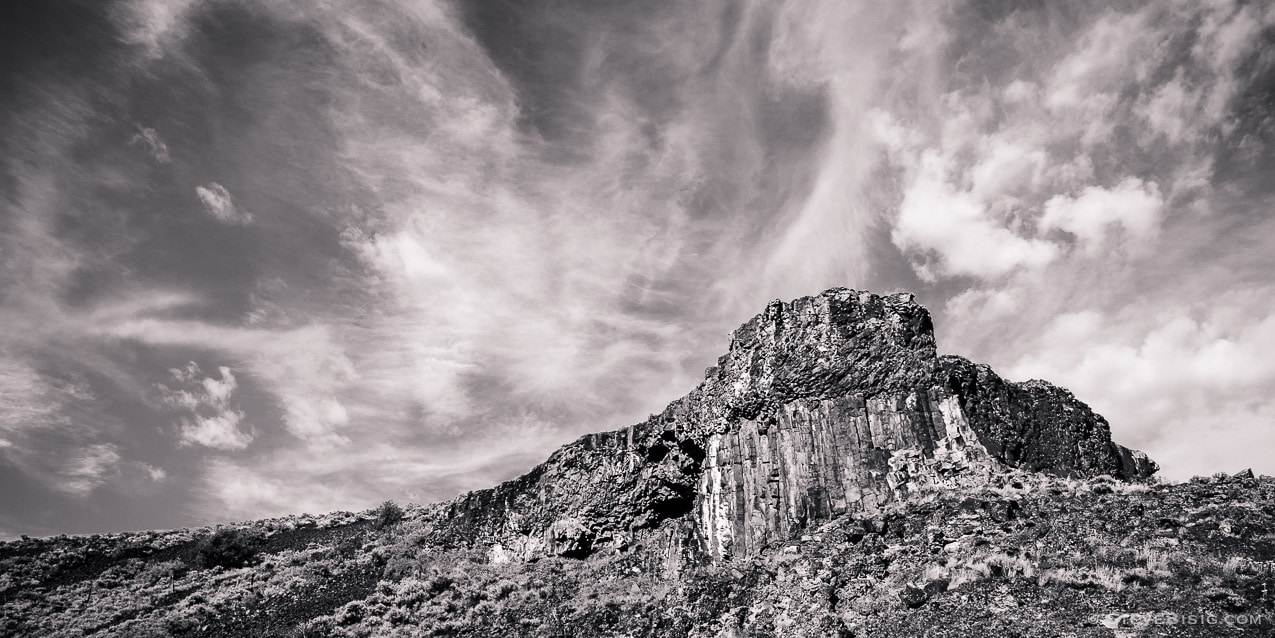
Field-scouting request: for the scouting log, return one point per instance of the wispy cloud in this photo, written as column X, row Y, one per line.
column 303, row 367
column 155, row 25
column 218, row 203
column 154, row 144
column 88, row 469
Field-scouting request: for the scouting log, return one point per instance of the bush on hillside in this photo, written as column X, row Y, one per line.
column 229, row 548
column 387, row 514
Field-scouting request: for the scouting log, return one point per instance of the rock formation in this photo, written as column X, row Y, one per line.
column 773, row 500
column 828, row 405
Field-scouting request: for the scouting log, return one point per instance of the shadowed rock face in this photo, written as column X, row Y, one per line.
column 828, row 405
column 1039, row 426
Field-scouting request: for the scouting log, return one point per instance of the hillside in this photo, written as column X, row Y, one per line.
column 832, row 475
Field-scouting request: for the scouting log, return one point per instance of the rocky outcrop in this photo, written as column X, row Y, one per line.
column 828, row 405
column 1039, row 426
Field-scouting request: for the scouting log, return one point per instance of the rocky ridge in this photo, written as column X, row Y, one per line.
column 824, row 406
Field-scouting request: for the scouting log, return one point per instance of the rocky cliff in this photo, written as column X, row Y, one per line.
column 827, row 405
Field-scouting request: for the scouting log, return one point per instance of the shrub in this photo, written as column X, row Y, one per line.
column 387, row 514
column 349, row 546
column 229, row 548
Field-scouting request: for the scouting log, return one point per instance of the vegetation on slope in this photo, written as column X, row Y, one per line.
column 1026, row 556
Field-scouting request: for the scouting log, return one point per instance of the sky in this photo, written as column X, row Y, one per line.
column 270, row 258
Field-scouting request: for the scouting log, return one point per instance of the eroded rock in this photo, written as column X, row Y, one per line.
column 827, row 405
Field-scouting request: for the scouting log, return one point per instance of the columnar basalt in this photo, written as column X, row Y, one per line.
column 820, row 458
column 828, row 405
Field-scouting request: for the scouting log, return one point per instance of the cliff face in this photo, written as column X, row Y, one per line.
column 827, row 405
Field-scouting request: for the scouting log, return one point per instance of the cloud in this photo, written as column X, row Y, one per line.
column 43, row 431
column 88, row 469
column 219, row 431
column 29, row 400
column 1169, row 110
column 156, row 474
column 1186, row 389
column 1107, row 137
column 1006, row 169
column 1102, row 130
column 231, row 489
column 212, row 420
column 155, row 25
column 397, row 254
column 936, row 219
column 1133, row 205
column 976, row 304
column 489, row 235
column 155, row 144
column 823, row 239
column 304, row 368
column 1110, row 53
column 218, row 203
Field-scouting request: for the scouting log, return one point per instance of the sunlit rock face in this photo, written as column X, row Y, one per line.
column 818, row 458
column 828, row 405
